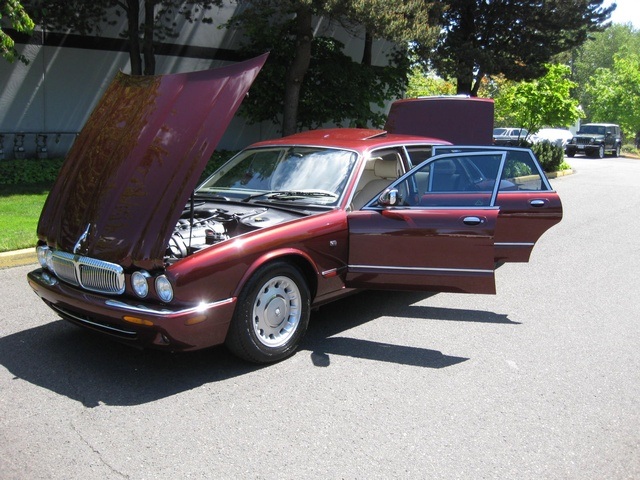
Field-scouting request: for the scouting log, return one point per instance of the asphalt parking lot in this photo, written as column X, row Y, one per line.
column 541, row 380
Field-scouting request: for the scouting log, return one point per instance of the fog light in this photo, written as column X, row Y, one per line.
column 138, row 321
column 164, row 288
column 195, row 320
column 139, row 283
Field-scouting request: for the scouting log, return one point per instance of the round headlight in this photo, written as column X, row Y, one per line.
column 164, row 288
column 41, row 251
column 139, row 283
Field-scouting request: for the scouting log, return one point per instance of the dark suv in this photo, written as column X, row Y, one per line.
column 596, row 139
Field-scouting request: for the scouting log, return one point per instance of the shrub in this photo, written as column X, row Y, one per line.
column 630, row 149
column 29, row 172
column 550, row 156
column 45, row 171
column 516, row 169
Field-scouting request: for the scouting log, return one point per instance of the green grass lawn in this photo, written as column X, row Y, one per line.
column 20, row 209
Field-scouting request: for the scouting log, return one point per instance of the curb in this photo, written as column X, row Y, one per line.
column 561, row 173
column 18, row 258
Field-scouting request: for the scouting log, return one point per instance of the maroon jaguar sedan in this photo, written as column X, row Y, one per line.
column 131, row 248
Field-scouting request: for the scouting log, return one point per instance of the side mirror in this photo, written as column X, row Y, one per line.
column 389, row 198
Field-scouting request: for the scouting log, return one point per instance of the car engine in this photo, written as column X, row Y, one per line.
column 188, row 238
column 205, row 225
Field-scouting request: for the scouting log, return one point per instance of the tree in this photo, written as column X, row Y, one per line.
column 286, row 29
column 423, row 84
column 542, row 102
column 19, row 20
column 598, row 53
column 156, row 22
column 615, row 93
column 335, row 89
column 513, row 37
column 399, row 21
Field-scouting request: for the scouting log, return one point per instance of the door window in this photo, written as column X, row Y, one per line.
column 454, row 180
column 521, row 171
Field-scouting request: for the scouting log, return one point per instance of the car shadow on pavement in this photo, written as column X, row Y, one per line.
column 348, row 313
column 93, row 370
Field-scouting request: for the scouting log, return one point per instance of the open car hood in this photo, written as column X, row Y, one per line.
column 131, row 170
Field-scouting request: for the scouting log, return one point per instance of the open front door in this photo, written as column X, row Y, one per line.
column 431, row 236
column 528, row 204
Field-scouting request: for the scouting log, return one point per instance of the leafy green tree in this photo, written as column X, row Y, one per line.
column 615, row 93
column 335, row 89
column 599, row 52
column 285, row 27
column 19, row 20
column 399, row 21
column 538, row 103
column 156, row 21
column 424, row 84
column 513, row 37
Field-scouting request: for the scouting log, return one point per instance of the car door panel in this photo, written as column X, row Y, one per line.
column 528, row 205
column 422, row 249
column 524, row 217
column 434, row 236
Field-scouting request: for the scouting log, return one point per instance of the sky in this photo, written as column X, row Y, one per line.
column 627, row 11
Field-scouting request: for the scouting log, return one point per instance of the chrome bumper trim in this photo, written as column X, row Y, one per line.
column 166, row 311
column 425, row 270
column 514, row 244
column 101, row 326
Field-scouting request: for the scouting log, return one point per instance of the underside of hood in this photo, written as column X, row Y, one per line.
column 131, row 170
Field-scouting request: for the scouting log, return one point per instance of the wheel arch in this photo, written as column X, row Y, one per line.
column 298, row 258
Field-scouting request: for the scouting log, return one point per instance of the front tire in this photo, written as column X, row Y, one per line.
column 271, row 316
column 600, row 152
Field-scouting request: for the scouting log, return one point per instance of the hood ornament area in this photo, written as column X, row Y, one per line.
column 82, row 239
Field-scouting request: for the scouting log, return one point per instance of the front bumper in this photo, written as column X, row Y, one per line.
column 134, row 322
column 581, row 148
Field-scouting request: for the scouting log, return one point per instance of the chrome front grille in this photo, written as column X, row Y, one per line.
column 64, row 267
column 88, row 273
column 583, row 141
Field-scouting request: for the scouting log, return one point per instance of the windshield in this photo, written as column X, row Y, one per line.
column 291, row 174
column 597, row 129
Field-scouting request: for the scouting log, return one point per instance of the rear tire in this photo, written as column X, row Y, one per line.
column 271, row 316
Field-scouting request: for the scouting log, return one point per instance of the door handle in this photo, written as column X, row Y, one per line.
column 537, row 203
column 472, row 221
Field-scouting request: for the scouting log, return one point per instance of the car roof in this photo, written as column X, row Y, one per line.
column 600, row 124
column 360, row 139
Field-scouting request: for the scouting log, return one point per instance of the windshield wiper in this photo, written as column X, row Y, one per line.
column 291, row 194
column 211, row 195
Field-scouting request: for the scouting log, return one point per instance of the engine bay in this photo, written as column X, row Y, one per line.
column 204, row 224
